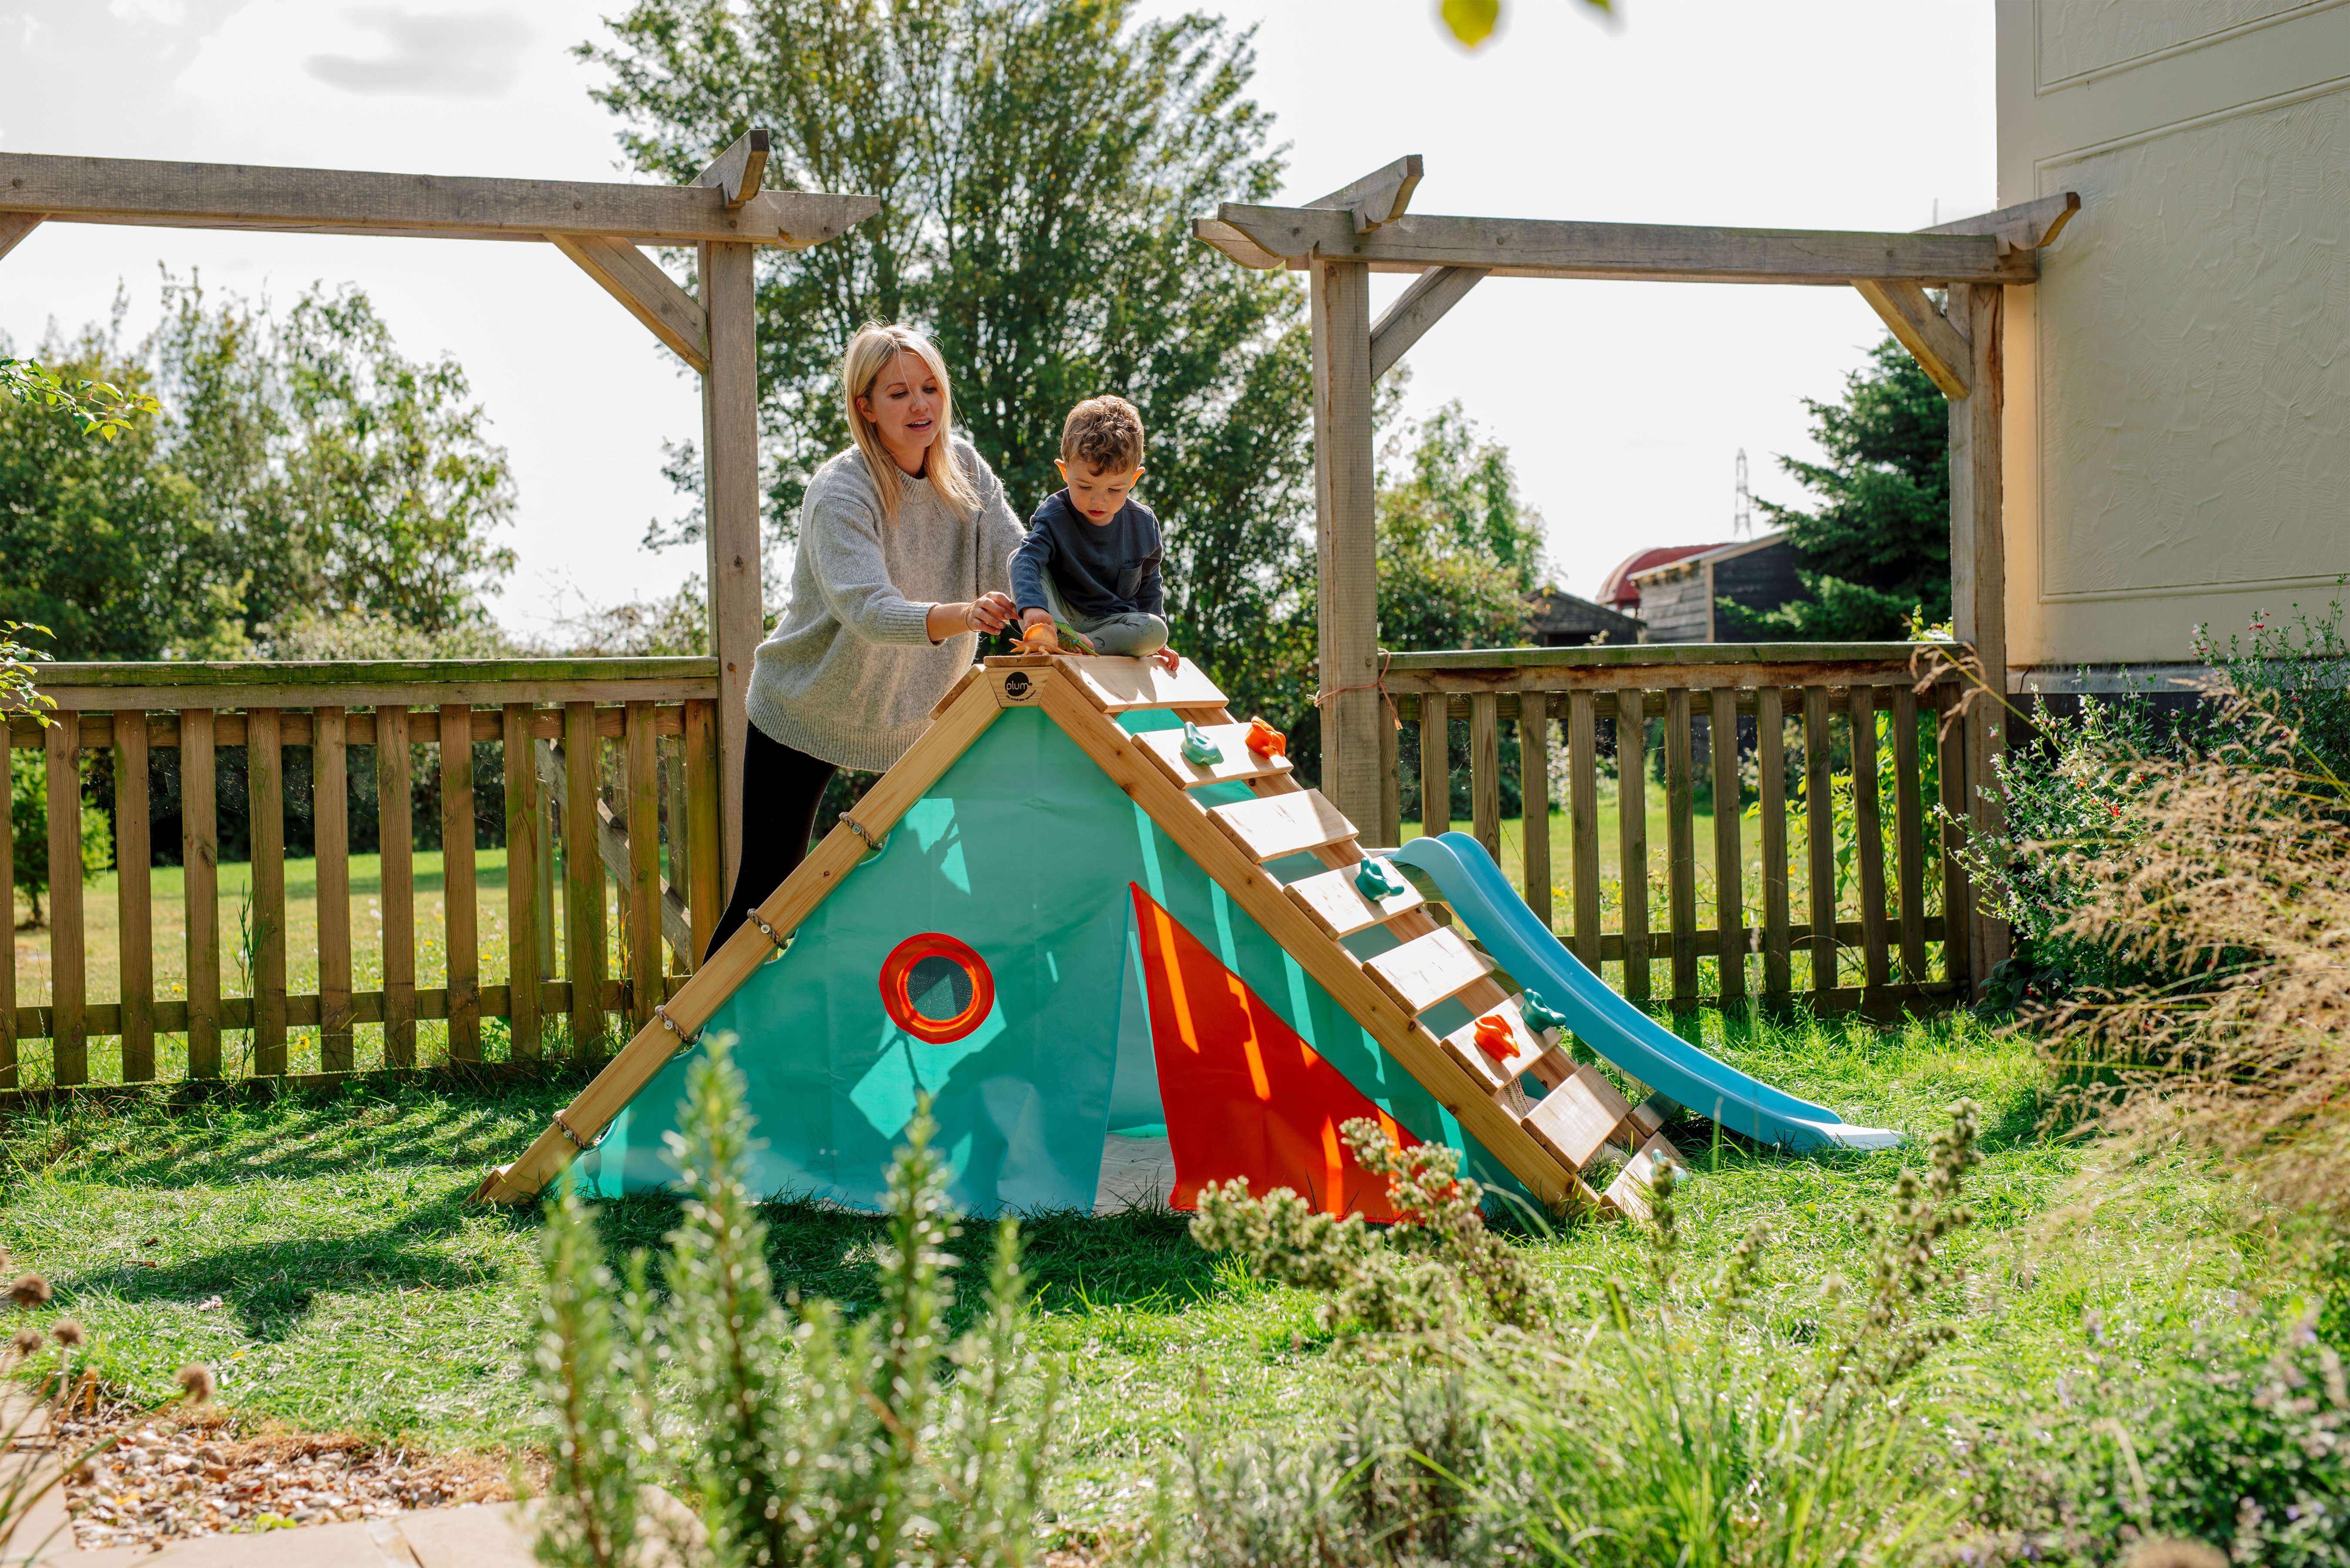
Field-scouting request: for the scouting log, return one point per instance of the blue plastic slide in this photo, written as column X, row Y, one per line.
column 1467, row 879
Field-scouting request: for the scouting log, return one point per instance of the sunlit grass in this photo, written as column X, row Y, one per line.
column 357, row 1288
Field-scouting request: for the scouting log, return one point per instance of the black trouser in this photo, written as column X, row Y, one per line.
column 781, row 789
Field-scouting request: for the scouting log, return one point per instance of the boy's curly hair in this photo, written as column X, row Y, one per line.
column 1105, row 434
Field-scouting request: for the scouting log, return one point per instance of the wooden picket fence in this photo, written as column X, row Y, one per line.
column 596, row 833
column 1814, row 704
column 589, row 914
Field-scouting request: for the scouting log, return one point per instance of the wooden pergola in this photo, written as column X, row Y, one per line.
column 1339, row 240
column 722, row 213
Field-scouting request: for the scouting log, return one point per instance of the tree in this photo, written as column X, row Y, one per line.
column 1039, row 225
column 1877, row 553
column 298, row 471
column 104, row 541
column 1459, row 551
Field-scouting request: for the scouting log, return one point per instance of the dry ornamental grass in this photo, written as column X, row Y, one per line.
column 2228, row 891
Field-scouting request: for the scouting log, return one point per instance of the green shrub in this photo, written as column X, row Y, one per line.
column 815, row 1442
column 2067, row 792
column 2297, row 672
column 2223, row 1439
column 1684, row 1431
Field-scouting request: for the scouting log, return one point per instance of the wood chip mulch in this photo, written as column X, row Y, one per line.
column 173, row 1478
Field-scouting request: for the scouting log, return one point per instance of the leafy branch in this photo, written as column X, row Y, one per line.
column 99, row 408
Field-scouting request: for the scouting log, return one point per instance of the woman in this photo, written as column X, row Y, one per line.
column 904, row 551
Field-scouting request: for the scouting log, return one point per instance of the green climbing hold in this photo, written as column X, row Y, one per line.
column 1376, row 881
column 1538, row 1014
column 1198, row 749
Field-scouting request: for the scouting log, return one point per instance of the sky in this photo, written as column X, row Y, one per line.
column 1624, row 405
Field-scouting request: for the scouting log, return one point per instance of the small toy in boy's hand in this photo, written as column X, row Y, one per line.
column 1198, row 749
column 1538, row 1013
column 1265, row 741
column 1377, row 880
column 1494, row 1039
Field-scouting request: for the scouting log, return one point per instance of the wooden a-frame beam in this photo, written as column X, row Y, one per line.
column 650, row 295
column 1516, row 247
column 1420, row 307
column 1378, row 198
column 346, row 202
column 2024, row 227
column 15, row 226
column 735, row 173
column 1920, row 328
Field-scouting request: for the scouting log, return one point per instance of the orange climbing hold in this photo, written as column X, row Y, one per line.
column 1494, row 1039
column 1265, row 741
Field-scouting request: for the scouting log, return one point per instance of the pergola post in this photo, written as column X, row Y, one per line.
column 730, row 466
column 1979, row 576
column 1346, row 537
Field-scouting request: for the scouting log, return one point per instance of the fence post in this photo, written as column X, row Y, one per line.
column 133, row 870
column 1632, row 835
column 1729, row 856
column 329, row 812
column 524, row 851
column 1533, row 797
column 264, row 763
column 396, row 842
column 200, row 887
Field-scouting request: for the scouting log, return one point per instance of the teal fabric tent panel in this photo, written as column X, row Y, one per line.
column 1002, row 854
column 1024, row 850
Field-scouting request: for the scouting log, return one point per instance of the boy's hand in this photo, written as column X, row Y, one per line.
column 1035, row 618
column 1166, row 660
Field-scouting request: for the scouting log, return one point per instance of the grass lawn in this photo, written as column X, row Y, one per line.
column 319, row 1253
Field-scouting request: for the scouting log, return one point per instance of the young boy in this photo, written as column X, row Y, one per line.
column 1091, row 557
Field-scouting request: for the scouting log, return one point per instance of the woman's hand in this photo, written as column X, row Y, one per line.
column 987, row 613
column 995, row 611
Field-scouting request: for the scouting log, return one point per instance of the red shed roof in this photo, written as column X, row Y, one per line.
column 1620, row 590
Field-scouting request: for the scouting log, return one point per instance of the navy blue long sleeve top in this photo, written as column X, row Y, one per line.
column 1100, row 568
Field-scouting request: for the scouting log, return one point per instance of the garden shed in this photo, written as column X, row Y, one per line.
column 1680, row 600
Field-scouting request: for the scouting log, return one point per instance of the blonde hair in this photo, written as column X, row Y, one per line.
column 872, row 351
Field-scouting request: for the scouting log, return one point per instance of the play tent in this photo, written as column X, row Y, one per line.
column 1058, row 921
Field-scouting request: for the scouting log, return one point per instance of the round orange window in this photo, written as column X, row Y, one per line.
column 935, row 988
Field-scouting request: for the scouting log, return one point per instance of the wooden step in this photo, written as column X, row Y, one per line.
column 1426, row 970
column 1578, row 1117
column 1274, row 826
column 1164, row 747
column 1122, row 685
column 1463, row 1047
column 1628, row 1193
column 1339, row 907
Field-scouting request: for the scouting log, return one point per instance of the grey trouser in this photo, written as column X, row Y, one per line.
column 1133, row 633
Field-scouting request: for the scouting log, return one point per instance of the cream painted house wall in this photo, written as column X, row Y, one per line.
column 2177, row 424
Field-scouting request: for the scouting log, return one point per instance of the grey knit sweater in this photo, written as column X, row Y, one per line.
column 850, row 674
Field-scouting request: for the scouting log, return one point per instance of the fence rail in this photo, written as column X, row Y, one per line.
column 645, row 810
column 1873, row 903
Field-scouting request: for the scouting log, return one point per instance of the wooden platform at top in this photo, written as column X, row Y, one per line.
column 1123, row 685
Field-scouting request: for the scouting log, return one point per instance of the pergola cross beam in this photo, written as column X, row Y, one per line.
column 1362, row 228
column 158, row 194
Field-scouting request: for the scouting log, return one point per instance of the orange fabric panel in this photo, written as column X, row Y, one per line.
column 1244, row 1095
